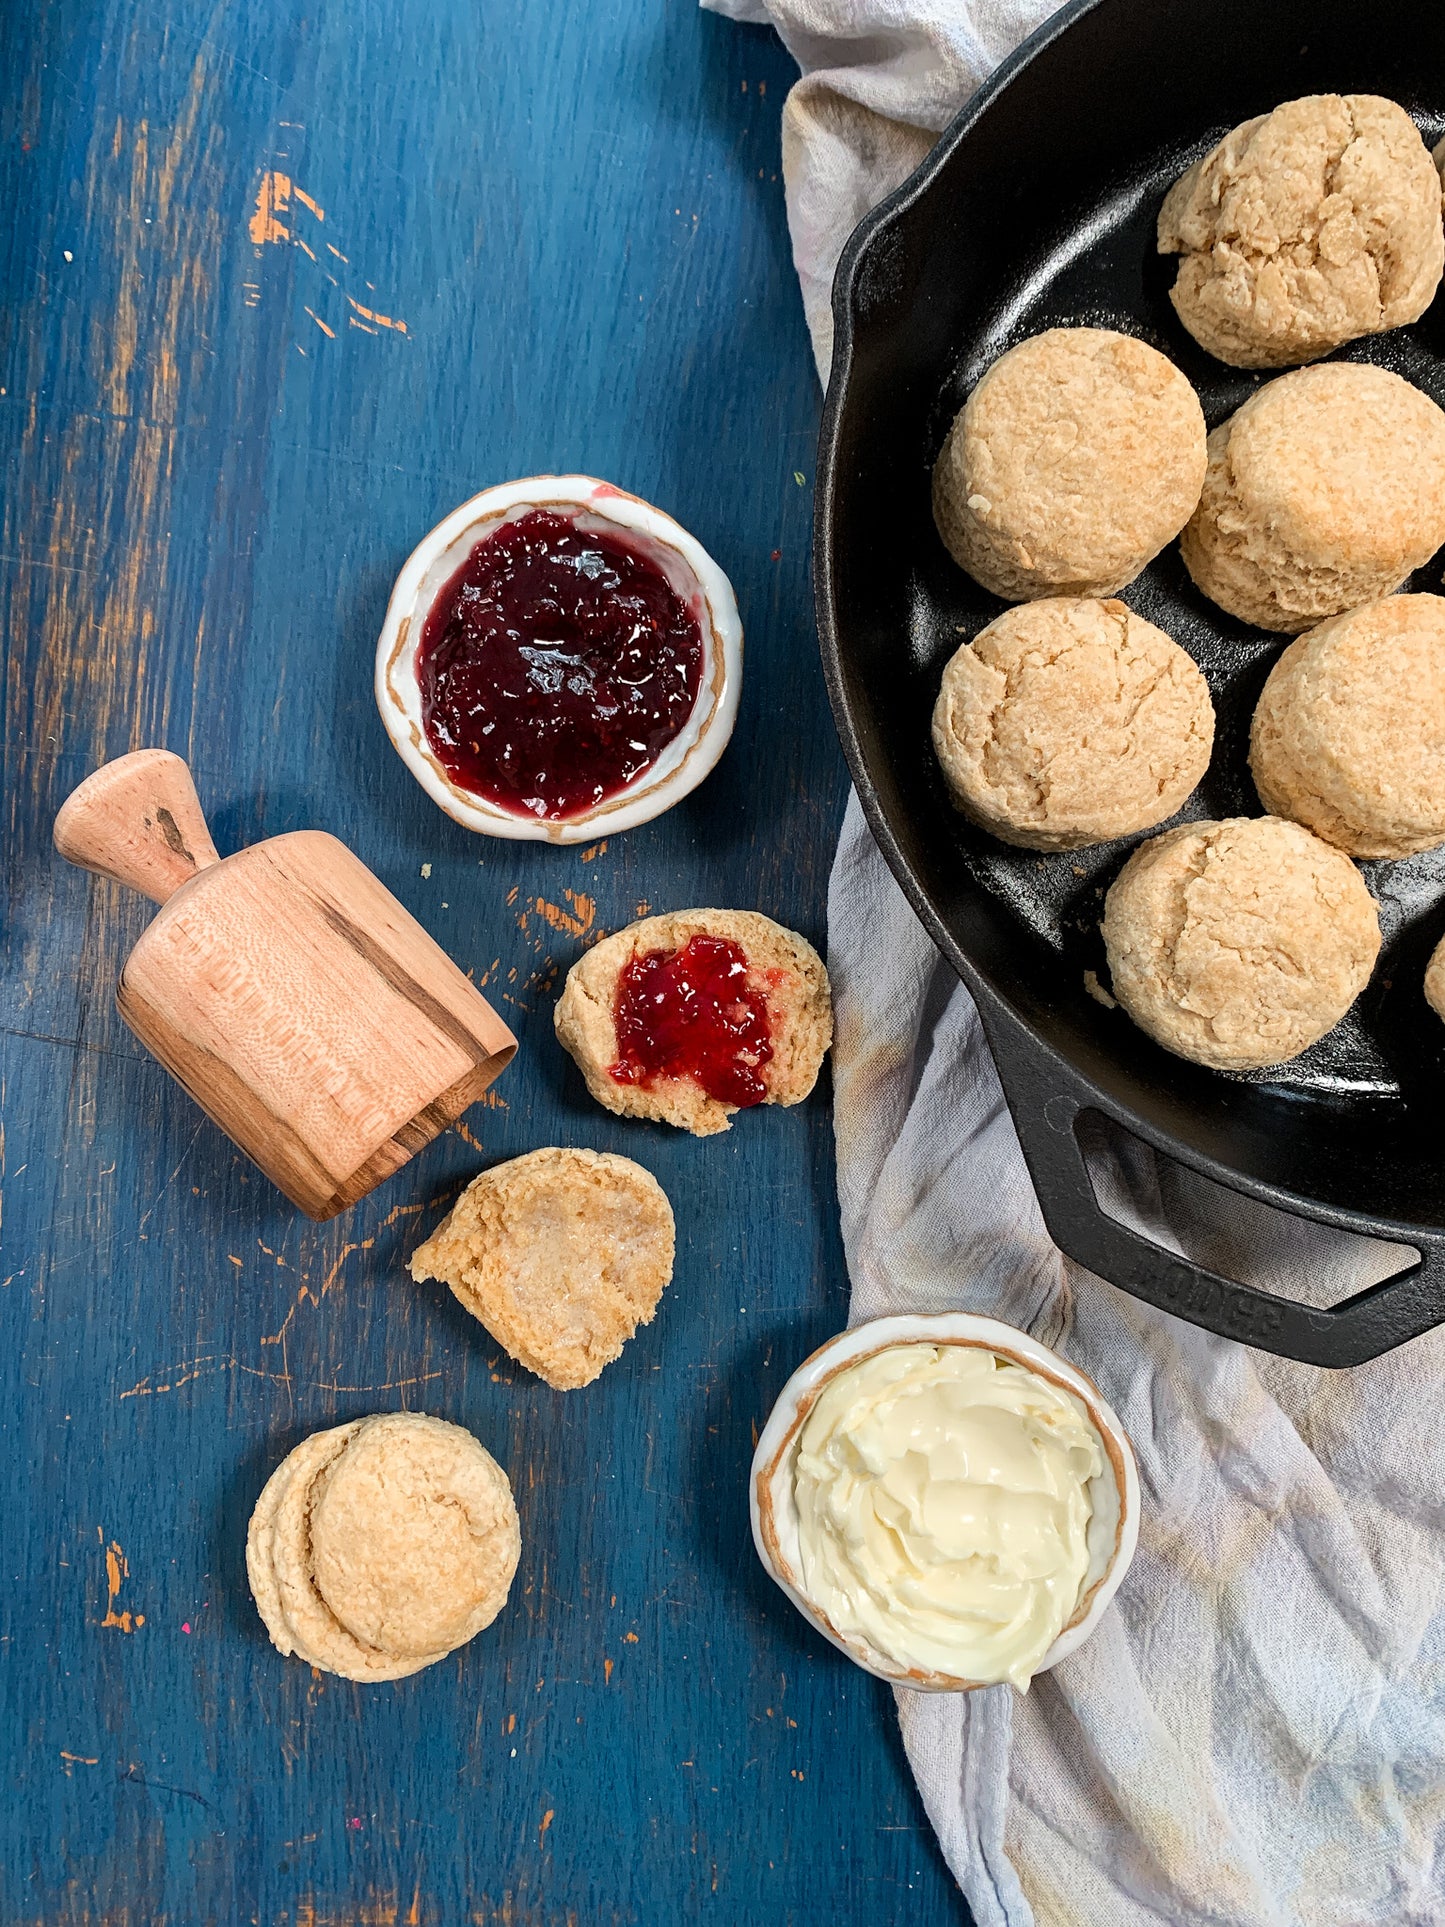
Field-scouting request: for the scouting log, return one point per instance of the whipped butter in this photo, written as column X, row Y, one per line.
column 943, row 1508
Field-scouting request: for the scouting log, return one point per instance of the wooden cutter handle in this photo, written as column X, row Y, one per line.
column 138, row 820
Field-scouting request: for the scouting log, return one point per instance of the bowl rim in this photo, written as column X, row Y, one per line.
column 800, row 1393
column 666, row 781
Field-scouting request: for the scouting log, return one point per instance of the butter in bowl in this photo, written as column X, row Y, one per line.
column 948, row 1501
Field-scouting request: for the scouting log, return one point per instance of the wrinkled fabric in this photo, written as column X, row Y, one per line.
column 1256, row 1732
column 881, row 78
column 1255, row 1736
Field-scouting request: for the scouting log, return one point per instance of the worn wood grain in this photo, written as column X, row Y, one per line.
column 283, row 286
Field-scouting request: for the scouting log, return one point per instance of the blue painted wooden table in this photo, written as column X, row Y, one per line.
column 282, row 287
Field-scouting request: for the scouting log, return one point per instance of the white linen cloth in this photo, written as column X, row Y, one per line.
column 1255, row 1736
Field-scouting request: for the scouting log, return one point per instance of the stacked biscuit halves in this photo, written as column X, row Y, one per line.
column 1081, row 453
column 378, row 1547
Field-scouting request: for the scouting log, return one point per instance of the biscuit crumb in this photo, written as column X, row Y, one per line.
column 1097, row 991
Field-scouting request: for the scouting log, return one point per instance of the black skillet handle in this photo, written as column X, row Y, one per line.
column 1046, row 1106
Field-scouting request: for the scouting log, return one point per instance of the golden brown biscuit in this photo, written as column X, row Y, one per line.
column 1239, row 943
column 1304, row 229
column 380, row 1546
column 561, row 1254
column 1324, row 491
column 1349, row 734
column 1435, row 980
column 1078, row 456
column 784, row 974
column 1070, row 721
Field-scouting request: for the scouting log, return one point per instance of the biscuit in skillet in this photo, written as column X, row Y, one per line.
column 1303, row 229
column 1077, row 457
column 1348, row 735
column 1324, row 491
column 1071, row 721
column 1239, row 943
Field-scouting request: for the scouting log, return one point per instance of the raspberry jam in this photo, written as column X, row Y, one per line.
column 692, row 1013
column 555, row 666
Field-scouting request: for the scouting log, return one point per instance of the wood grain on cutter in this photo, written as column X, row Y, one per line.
column 301, row 1006
column 139, row 821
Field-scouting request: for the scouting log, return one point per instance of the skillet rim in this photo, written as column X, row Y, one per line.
column 1007, row 1026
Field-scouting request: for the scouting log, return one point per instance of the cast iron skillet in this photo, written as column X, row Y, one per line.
column 1036, row 208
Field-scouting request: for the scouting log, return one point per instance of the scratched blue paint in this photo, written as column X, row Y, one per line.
column 217, row 459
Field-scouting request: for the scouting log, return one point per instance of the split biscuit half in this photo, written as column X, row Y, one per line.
column 781, row 973
column 561, row 1254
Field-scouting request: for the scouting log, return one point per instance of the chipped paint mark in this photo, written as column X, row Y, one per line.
column 467, row 1138
column 184, row 1374
column 79, row 1759
column 272, row 223
column 117, row 1571
column 642, row 908
column 594, row 850
column 546, row 1822
column 629, row 1639
column 572, row 925
column 400, row 1211
column 267, row 224
column 381, row 320
column 607, row 1672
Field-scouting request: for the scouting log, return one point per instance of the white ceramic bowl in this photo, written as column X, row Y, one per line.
column 692, row 572
column 1113, row 1529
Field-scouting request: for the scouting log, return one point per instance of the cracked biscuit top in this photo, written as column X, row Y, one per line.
column 1324, row 491
column 1239, row 943
column 1077, row 457
column 1348, row 736
column 1305, row 228
column 1071, row 721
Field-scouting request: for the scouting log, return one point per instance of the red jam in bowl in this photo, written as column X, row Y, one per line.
column 692, row 1013
column 555, row 667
